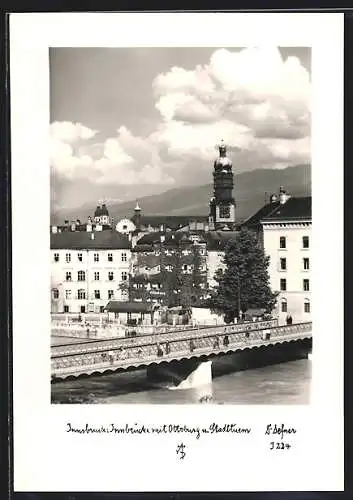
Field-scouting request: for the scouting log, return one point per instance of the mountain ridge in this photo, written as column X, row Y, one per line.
column 251, row 190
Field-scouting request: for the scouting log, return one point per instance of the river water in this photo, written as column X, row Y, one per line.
column 285, row 383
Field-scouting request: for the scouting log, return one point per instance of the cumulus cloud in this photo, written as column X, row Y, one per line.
column 255, row 100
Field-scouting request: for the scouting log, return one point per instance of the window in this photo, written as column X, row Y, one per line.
column 81, row 294
column 284, row 305
column 283, row 263
column 97, row 294
column 55, row 293
column 56, row 257
column 282, row 242
column 68, row 257
column 306, row 306
column 83, row 309
column 66, row 309
column 68, row 276
column 81, row 276
column 283, row 284
column 79, row 257
column 306, row 285
column 110, row 257
column 185, row 267
column 68, row 294
column 110, row 294
column 124, row 275
column 123, row 257
column 96, row 276
column 110, row 276
column 305, row 241
column 96, row 257
column 306, row 263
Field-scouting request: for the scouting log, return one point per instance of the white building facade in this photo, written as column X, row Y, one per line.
column 88, row 270
column 287, row 241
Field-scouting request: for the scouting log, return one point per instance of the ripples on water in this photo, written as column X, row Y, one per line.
column 284, row 383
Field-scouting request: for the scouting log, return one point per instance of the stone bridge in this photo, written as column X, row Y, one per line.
column 182, row 351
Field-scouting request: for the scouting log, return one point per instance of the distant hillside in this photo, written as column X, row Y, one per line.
column 251, row 189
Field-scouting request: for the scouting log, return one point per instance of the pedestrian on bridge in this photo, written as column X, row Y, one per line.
column 226, row 341
column 191, row 345
column 216, row 343
column 289, row 319
column 159, row 351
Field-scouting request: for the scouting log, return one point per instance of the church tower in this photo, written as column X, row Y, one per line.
column 222, row 204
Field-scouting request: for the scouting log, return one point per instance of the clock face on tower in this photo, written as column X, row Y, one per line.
column 224, row 211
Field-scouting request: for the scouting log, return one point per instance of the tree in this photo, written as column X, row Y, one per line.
column 244, row 283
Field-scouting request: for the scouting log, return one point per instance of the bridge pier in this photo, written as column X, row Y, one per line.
column 183, row 374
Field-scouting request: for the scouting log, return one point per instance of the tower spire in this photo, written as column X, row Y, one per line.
column 222, row 204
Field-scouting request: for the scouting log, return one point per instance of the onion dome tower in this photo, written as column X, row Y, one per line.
column 105, row 215
column 222, row 204
column 97, row 215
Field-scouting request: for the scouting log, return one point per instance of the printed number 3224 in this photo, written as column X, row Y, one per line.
column 279, row 446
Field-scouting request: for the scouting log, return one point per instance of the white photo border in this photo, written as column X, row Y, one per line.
column 46, row 458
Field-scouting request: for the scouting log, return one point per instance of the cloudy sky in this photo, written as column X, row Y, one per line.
column 131, row 122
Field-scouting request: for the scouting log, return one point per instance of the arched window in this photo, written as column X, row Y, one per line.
column 307, row 305
column 284, row 305
column 55, row 293
column 81, row 276
column 81, row 294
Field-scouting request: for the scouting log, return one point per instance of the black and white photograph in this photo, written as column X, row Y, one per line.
column 177, row 317
column 180, row 225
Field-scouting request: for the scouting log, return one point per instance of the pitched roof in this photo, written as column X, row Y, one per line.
column 264, row 211
column 138, row 307
column 108, row 239
column 293, row 209
column 298, row 208
column 170, row 221
column 217, row 240
column 170, row 238
column 142, row 248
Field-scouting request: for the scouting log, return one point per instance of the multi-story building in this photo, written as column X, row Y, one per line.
column 169, row 268
column 88, row 269
column 284, row 230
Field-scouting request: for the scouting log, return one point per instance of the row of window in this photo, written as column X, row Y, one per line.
column 283, row 285
column 284, row 307
column 283, row 263
column 82, row 294
column 96, row 257
column 81, row 276
column 283, row 242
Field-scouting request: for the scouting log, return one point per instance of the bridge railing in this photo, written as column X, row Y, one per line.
column 127, row 342
column 145, row 354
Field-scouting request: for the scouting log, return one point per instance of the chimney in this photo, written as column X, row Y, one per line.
column 54, row 229
column 283, row 195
